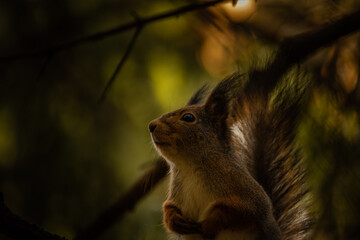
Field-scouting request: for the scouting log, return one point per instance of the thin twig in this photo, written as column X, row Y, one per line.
column 125, row 203
column 110, row 32
column 120, row 64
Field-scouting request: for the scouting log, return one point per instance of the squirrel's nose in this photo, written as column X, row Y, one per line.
column 152, row 126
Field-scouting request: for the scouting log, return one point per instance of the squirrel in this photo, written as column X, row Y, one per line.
column 234, row 170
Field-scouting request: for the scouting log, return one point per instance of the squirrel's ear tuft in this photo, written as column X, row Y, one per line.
column 198, row 96
column 218, row 103
column 219, row 99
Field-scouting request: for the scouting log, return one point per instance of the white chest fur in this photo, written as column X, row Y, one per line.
column 195, row 199
column 195, row 202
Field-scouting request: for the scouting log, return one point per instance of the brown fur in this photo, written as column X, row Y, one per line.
column 233, row 169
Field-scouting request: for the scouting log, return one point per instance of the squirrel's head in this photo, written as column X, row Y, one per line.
column 196, row 130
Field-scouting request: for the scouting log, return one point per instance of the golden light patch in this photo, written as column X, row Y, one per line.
column 241, row 11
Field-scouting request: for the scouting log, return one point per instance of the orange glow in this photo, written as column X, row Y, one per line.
column 213, row 57
column 241, row 11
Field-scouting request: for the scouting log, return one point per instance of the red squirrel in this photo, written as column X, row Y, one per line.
column 233, row 171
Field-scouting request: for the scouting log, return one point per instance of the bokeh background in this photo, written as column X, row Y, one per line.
column 65, row 157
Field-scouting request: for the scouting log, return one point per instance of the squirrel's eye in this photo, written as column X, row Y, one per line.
column 188, row 117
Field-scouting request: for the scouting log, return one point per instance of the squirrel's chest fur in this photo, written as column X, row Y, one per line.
column 190, row 192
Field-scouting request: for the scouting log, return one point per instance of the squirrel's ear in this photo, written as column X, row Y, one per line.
column 217, row 105
column 198, row 96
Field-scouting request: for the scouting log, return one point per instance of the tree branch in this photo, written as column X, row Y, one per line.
column 126, row 202
column 15, row 227
column 296, row 49
column 121, row 28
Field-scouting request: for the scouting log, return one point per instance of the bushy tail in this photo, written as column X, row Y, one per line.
column 267, row 123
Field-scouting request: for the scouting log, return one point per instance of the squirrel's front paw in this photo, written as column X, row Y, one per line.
column 176, row 222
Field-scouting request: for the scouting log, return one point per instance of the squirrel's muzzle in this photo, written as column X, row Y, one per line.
column 152, row 126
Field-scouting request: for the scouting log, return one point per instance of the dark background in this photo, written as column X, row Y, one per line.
column 64, row 157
